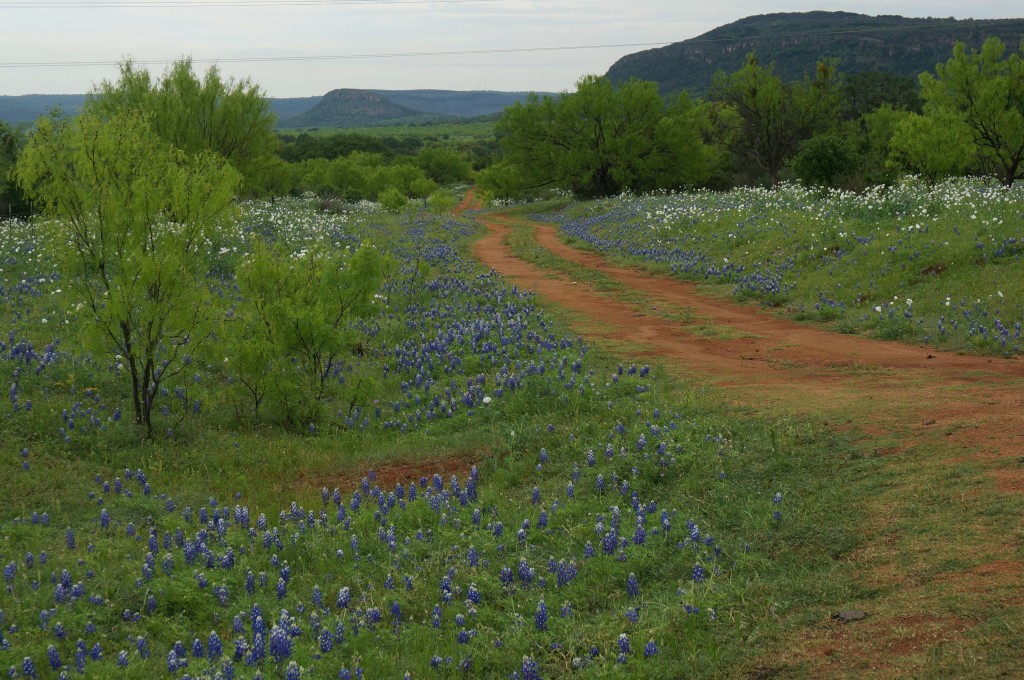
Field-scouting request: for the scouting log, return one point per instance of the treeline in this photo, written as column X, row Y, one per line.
column 826, row 130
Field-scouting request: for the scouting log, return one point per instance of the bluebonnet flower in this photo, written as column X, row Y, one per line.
column 326, row 641
column 53, row 657
column 280, row 644
column 632, row 586
column 530, row 669
column 122, row 659
column 698, row 573
column 650, row 649
column 633, row 614
column 214, row 647
column 640, row 534
column 540, row 617
column 293, row 672
column 69, row 538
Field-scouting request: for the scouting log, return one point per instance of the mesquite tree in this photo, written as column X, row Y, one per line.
column 134, row 214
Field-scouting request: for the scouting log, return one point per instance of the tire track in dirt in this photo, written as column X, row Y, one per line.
column 944, row 408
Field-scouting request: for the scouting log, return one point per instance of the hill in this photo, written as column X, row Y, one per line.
column 337, row 109
column 470, row 103
column 25, row 108
column 796, row 41
column 345, row 108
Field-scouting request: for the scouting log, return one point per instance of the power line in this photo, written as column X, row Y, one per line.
column 152, row 4
column 447, row 53
column 378, row 55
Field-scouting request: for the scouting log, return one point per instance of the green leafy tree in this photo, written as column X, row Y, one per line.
column 422, row 188
column 296, row 325
column 773, row 117
column 875, row 133
column 602, row 139
column 11, row 198
column 934, row 145
column 440, row 202
column 825, row 159
column 443, row 165
column 985, row 91
column 136, row 215
column 865, row 92
column 228, row 117
column 392, row 199
column 501, row 181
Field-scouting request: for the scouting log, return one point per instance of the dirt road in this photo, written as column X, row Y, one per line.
column 928, row 411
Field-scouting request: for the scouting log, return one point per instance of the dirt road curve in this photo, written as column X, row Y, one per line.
column 917, row 402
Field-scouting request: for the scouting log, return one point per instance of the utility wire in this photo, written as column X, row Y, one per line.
column 147, row 4
column 378, row 55
column 448, row 53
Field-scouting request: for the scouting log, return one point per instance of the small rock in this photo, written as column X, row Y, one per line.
column 850, row 615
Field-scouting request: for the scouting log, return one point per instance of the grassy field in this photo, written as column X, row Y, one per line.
column 503, row 500
column 939, row 264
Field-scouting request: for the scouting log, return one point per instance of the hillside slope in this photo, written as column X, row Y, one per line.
column 796, row 41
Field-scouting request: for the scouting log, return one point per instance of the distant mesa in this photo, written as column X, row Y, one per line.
column 796, row 41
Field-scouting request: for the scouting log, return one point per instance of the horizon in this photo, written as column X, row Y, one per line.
column 394, row 45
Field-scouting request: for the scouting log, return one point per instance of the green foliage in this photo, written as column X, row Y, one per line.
column 228, row 117
column 306, row 146
column 500, row 181
column 824, row 159
column 603, row 139
column 441, row 202
column 392, row 199
column 985, row 91
column 772, row 118
column 135, row 214
column 293, row 335
column 934, row 145
column 443, row 165
column 11, row 199
column 865, row 92
column 876, row 130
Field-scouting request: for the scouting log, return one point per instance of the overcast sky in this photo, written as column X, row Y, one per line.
column 296, row 48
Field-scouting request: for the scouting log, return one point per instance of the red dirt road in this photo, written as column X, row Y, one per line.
column 944, row 408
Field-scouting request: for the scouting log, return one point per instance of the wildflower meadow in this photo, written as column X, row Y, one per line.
column 478, row 493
